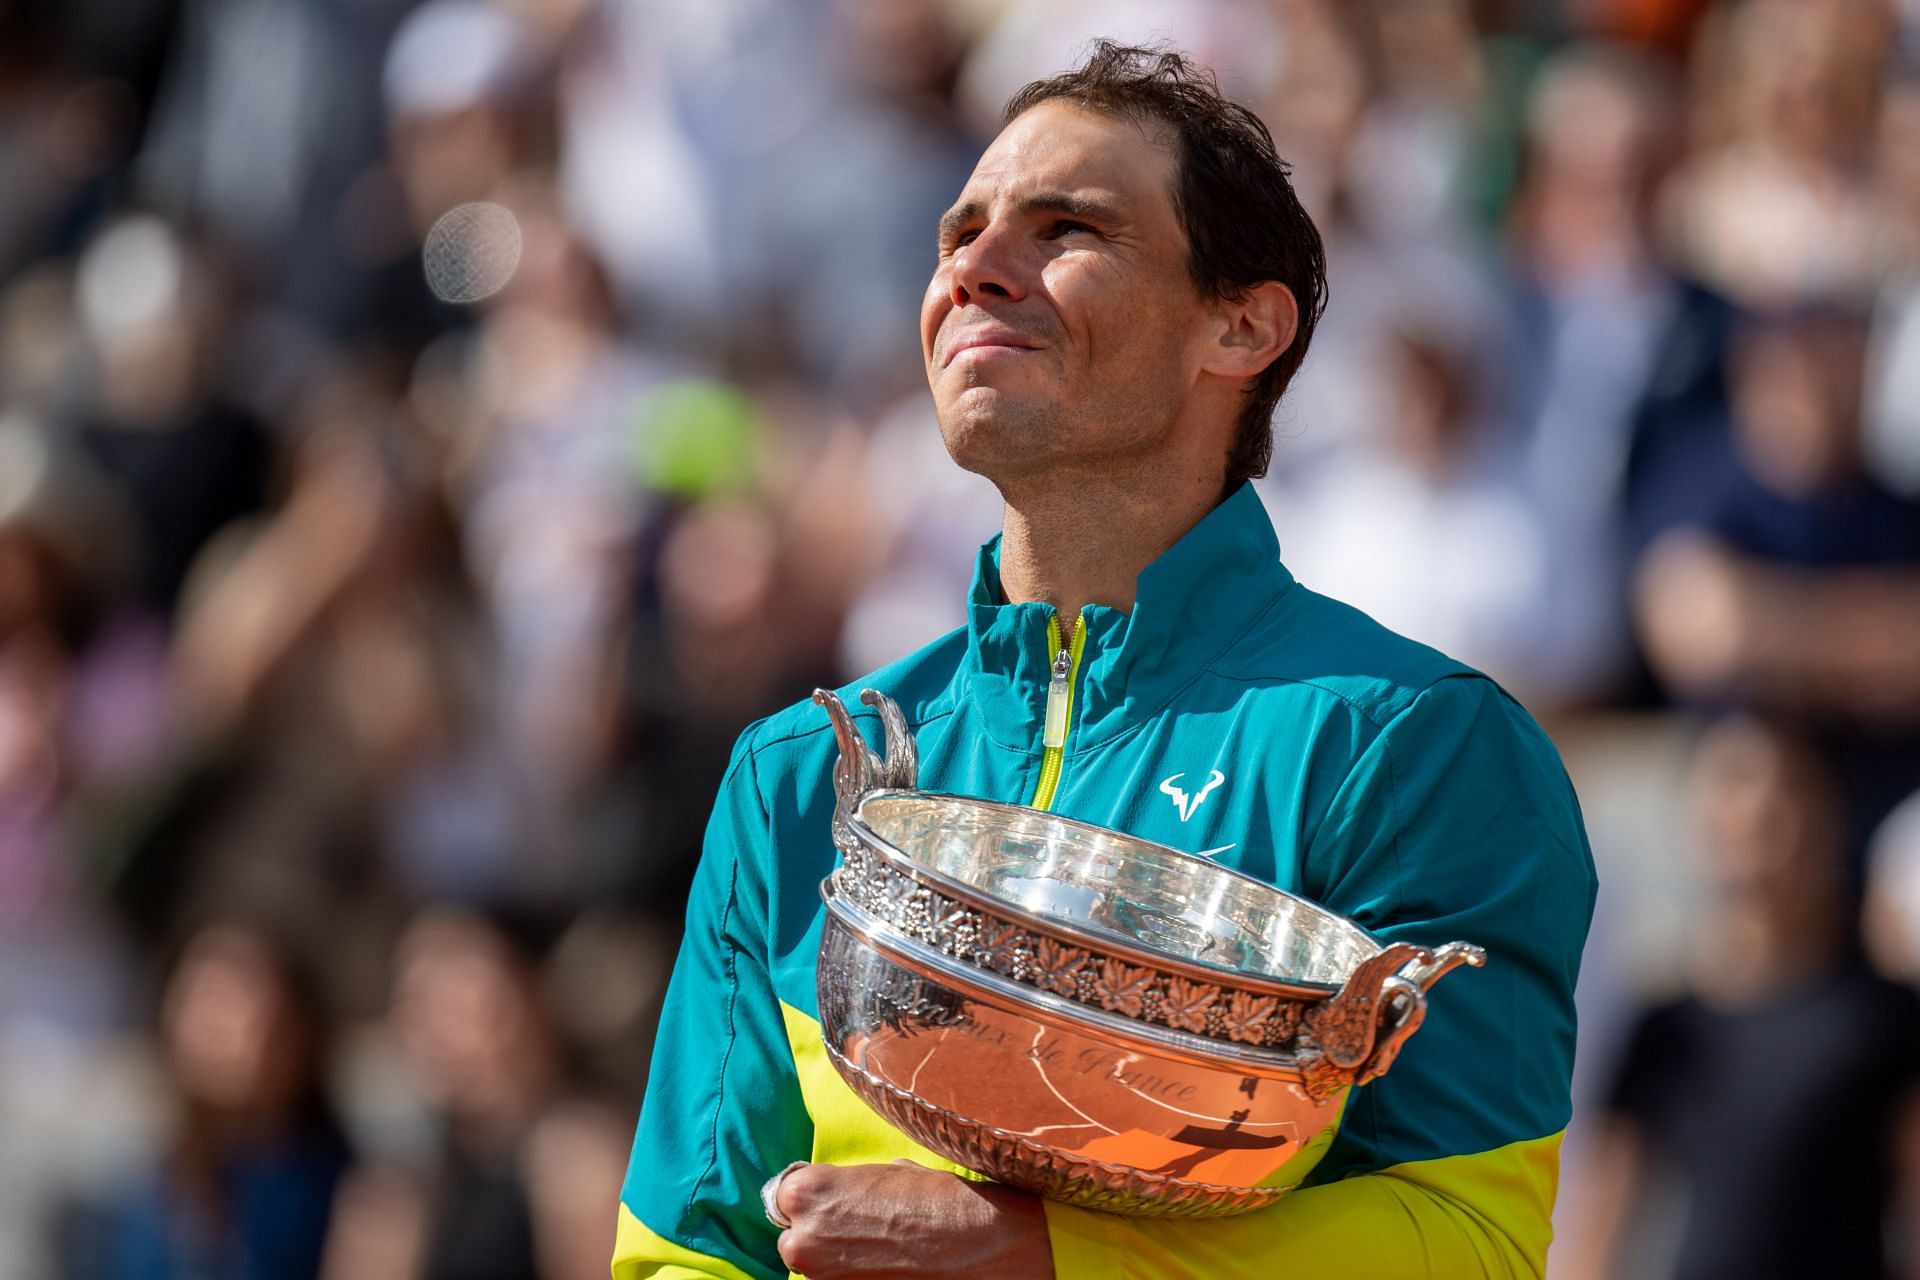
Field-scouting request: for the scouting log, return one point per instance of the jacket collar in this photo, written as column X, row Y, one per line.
column 1192, row 603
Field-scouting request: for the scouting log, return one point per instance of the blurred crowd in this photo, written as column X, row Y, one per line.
column 430, row 430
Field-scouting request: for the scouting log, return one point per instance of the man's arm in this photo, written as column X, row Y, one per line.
column 899, row 1222
column 723, row 1109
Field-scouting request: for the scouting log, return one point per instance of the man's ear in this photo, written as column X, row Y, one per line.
column 1254, row 330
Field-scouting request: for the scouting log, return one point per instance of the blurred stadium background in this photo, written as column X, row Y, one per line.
column 429, row 432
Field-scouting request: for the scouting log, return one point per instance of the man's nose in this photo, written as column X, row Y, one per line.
column 988, row 266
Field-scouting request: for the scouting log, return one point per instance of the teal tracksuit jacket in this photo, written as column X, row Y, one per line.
column 1235, row 714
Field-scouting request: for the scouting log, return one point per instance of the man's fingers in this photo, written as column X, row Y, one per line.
column 801, row 1189
column 794, row 1252
column 773, row 1195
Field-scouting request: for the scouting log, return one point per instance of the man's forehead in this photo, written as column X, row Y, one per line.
column 1058, row 147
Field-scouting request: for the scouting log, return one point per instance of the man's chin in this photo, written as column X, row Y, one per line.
column 988, row 411
column 995, row 439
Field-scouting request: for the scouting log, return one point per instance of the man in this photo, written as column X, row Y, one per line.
column 1124, row 287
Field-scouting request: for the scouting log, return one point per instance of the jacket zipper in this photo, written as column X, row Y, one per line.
column 1053, row 739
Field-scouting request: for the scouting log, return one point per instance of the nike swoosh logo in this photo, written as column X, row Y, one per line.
column 1208, row 853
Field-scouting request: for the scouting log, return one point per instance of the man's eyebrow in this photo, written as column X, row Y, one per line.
column 959, row 216
column 1073, row 206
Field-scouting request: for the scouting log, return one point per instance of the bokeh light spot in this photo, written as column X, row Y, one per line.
column 471, row 252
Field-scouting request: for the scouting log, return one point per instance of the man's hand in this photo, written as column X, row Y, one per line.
column 874, row 1221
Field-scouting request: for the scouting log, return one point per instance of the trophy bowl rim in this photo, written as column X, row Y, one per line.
column 1019, row 998
column 1100, row 942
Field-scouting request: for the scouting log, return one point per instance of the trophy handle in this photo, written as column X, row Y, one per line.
column 1355, row 1036
column 858, row 770
column 1405, row 999
column 900, row 771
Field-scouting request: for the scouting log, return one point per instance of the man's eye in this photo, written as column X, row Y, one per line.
column 1066, row 226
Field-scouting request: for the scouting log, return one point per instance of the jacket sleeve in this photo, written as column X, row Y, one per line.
column 1456, row 822
column 723, row 1109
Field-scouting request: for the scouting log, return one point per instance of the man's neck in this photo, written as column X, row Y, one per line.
column 1079, row 540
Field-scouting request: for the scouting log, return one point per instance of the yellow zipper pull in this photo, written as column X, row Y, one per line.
column 1055, row 734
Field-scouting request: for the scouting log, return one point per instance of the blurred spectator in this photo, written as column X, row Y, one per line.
column 49, row 605
column 460, row 78
column 519, row 1160
column 635, row 182
column 84, row 715
column 1431, row 534
column 1780, row 478
column 1764, row 1124
column 1593, row 303
column 187, row 458
column 1379, row 110
column 73, row 88
column 1770, row 208
column 267, row 115
column 245, row 1188
column 547, row 478
column 843, row 271
column 1786, row 578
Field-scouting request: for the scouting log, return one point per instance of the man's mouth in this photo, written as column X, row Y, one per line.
column 987, row 343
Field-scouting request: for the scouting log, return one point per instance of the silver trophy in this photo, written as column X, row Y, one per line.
column 1098, row 1019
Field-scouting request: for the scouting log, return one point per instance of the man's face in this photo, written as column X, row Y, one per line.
column 1061, row 325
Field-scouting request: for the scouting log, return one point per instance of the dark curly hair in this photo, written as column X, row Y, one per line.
column 1244, row 223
